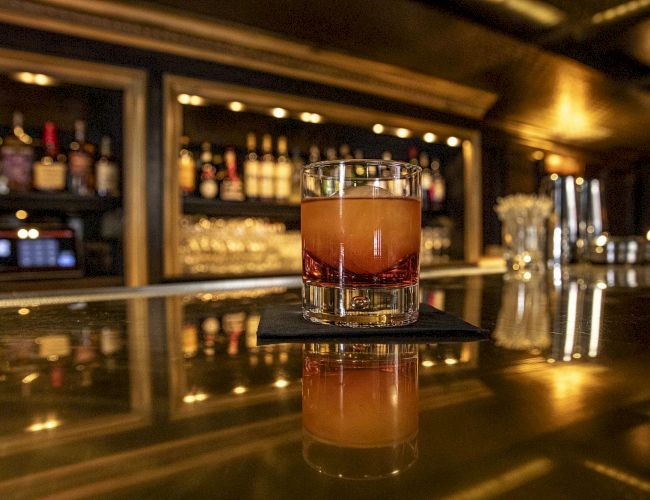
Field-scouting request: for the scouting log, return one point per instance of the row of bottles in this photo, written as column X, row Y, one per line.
column 212, row 334
column 81, row 171
column 269, row 177
column 61, row 358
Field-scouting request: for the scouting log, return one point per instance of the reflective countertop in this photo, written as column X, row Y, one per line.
column 164, row 393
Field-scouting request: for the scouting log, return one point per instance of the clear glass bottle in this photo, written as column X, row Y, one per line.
column 80, row 162
column 186, row 168
column 438, row 187
column 267, row 170
column 251, row 169
column 283, row 171
column 107, row 173
column 17, row 156
column 208, row 187
column 231, row 187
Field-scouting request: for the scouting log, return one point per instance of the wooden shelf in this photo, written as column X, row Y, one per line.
column 192, row 205
column 58, row 202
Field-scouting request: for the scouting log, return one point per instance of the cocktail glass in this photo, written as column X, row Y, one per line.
column 360, row 409
column 360, row 227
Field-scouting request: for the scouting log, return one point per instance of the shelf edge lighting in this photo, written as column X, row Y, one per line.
column 279, row 112
column 236, row 106
column 402, row 133
column 34, row 78
column 429, row 137
column 377, row 128
column 453, row 141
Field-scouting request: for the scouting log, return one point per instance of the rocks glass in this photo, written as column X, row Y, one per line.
column 360, row 227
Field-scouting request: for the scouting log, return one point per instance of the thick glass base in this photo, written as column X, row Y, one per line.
column 359, row 462
column 360, row 307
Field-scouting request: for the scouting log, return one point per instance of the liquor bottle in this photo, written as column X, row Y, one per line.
column 438, row 187
column 297, row 163
column 426, row 181
column 387, row 156
column 80, row 161
column 283, row 171
column 50, row 171
column 186, row 168
column 344, row 152
column 231, row 187
column 208, row 186
column 330, row 154
column 233, row 326
column 220, row 168
column 358, row 154
column 413, row 155
column 314, row 154
column 251, row 169
column 362, row 170
column 266, row 182
column 16, row 156
column 107, row 173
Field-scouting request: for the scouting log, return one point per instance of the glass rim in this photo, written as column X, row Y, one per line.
column 411, row 169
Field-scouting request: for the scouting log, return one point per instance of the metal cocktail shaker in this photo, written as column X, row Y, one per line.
column 591, row 216
column 563, row 223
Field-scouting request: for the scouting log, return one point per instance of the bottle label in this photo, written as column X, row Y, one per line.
column 17, row 167
column 283, row 181
column 231, row 190
column 251, row 174
column 266, row 180
column 186, row 175
column 49, row 177
column 79, row 163
column 107, row 178
column 209, row 188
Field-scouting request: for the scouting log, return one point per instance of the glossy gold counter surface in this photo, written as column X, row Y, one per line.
column 165, row 394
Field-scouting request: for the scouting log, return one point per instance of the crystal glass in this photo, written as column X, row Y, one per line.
column 360, row 228
column 360, row 409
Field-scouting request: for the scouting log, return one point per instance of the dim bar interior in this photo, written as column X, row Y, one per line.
column 150, row 188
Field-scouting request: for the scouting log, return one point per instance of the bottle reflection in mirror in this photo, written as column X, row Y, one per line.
column 360, row 409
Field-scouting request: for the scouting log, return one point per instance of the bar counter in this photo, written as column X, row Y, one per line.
column 163, row 392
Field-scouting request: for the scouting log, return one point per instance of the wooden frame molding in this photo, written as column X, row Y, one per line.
column 132, row 83
column 191, row 36
column 220, row 93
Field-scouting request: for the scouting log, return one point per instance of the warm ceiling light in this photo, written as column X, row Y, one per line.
column 453, row 141
column 402, row 133
column 377, row 128
column 279, row 112
column 538, row 155
column 34, row 78
column 647, row 235
column 23, row 311
column 240, row 389
column 305, row 116
column 22, row 234
column 183, row 98
column 21, row 214
column 451, row 361
column 32, row 234
column 427, row 363
column 196, row 100
column 236, row 106
column 316, row 118
column 429, row 137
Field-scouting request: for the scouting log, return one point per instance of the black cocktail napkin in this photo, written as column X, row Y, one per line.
column 286, row 324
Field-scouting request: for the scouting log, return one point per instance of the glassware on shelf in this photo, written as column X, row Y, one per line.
column 226, row 246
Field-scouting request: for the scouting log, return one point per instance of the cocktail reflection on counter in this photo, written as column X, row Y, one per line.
column 360, row 409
